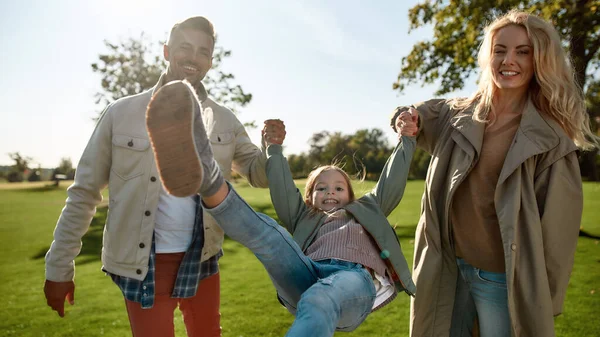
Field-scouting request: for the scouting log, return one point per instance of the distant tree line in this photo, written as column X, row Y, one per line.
column 362, row 154
column 21, row 170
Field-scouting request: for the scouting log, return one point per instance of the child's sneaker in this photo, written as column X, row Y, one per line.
column 170, row 124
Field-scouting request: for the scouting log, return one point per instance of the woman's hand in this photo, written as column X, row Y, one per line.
column 407, row 123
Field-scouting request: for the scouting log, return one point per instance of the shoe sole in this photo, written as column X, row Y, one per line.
column 169, row 121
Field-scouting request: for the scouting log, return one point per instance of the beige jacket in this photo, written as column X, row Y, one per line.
column 539, row 204
column 119, row 155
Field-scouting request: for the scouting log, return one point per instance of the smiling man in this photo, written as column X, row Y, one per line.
column 162, row 251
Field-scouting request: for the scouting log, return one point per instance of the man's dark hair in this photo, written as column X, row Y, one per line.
column 198, row 23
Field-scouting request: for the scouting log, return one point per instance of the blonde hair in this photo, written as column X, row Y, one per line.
column 553, row 89
column 312, row 179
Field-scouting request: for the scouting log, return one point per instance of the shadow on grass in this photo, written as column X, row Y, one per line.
column 403, row 232
column 585, row 234
column 44, row 188
column 92, row 240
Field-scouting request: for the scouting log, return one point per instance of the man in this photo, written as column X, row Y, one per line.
column 160, row 250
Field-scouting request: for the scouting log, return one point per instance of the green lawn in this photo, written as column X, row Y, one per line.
column 249, row 306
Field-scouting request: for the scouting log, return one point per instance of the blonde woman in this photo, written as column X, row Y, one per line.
column 503, row 197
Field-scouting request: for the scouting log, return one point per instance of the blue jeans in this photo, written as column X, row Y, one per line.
column 480, row 294
column 324, row 296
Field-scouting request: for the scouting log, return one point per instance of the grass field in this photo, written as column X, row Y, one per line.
column 249, row 307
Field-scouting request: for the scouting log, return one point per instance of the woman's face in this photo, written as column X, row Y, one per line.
column 512, row 59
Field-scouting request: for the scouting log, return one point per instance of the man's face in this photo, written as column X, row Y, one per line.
column 189, row 54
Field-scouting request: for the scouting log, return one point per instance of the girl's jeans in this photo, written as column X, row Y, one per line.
column 480, row 294
column 324, row 296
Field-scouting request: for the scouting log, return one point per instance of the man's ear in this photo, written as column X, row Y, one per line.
column 166, row 52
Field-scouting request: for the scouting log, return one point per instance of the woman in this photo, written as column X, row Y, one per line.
column 503, row 197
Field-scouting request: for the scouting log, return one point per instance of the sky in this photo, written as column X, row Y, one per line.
column 317, row 65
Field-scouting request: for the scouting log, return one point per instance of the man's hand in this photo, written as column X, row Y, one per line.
column 273, row 132
column 407, row 123
column 56, row 292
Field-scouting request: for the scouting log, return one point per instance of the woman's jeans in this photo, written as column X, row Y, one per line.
column 324, row 296
column 480, row 294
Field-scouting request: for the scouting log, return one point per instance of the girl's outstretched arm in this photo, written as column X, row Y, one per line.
column 390, row 188
column 285, row 196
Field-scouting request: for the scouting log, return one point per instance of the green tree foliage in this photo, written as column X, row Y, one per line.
column 21, row 163
column 450, row 58
column 18, row 170
column 299, row 165
column 135, row 64
column 362, row 153
column 419, row 164
column 65, row 167
column 35, row 175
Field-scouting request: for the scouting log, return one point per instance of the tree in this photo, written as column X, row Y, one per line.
column 299, row 165
column 21, row 163
column 366, row 151
column 451, row 57
column 66, row 168
column 135, row 64
column 20, row 167
column 35, row 175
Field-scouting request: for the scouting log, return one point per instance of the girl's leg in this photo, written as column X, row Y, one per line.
column 170, row 113
column 342, row 300
column 290, row 270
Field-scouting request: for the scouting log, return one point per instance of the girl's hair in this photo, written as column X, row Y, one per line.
column 553, row 89
column 312, row 179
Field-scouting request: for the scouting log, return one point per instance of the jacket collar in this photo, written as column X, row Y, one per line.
column 536, row 134
column 200, row 89
column 471, row 130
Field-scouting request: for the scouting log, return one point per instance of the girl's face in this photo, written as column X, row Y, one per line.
column 512, row 58
column 331, row 191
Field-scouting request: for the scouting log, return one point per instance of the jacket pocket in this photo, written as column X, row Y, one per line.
column 221, row 138
column 496, row 279
column 223, row 145
column 128, row 156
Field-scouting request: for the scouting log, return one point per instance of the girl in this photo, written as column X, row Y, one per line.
column 339, row 261
column 503, row 197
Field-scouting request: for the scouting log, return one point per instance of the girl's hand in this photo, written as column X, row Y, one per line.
column 273, row 132
column 407, row 123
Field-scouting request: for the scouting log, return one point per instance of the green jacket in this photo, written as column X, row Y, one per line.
column 370, row 210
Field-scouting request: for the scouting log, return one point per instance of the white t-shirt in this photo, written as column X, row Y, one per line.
column 174, row 223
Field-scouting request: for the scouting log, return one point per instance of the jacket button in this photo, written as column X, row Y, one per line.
column 152, row 179
column 147, row 213
column 385, row 254
column 130, row 144
column 142, row 245
column 513, row 246
column 139, row 272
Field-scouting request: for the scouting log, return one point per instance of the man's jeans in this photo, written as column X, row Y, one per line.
column 480, row 294
column 324, row 296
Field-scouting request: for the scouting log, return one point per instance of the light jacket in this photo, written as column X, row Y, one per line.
column 539, row 202
column 119, row 155
column 370, row 211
